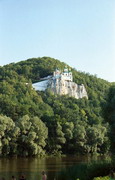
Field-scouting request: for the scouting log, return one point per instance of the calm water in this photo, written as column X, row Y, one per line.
column 32, row 167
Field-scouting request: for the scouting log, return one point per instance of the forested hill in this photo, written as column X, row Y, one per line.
column 33, row 122
column 36, row 68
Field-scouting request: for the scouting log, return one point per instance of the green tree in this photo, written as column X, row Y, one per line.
column 68, row 128
column 97, row 139
column 79, row 139
column 6, row 129
column 33, row 134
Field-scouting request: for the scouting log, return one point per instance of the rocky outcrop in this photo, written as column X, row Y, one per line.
column 62, row 83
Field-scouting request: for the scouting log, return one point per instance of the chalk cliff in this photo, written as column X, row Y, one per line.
column 62, row 83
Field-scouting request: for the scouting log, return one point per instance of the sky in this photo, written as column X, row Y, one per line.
column 80, row 33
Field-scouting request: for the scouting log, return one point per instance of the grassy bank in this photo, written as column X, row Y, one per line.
column 87, row 171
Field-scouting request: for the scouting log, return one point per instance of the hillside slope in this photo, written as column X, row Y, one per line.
column 74, row 126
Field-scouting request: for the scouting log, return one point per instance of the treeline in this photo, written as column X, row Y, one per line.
column 110, row 115
column 34, row 123
column 31, row 136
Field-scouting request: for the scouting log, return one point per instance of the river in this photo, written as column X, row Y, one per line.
column 32, row 167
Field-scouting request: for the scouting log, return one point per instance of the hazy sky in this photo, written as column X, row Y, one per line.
column 78, row 32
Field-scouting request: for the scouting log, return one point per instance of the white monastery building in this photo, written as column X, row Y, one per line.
column 62, row 83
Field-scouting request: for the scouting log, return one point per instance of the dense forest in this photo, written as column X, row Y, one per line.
column 39, row 123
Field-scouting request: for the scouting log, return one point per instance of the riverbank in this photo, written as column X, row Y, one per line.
column 87, row 171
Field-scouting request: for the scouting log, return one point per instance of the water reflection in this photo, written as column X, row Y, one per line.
column 32, row 167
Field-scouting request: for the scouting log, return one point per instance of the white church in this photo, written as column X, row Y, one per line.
column 62, row 83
